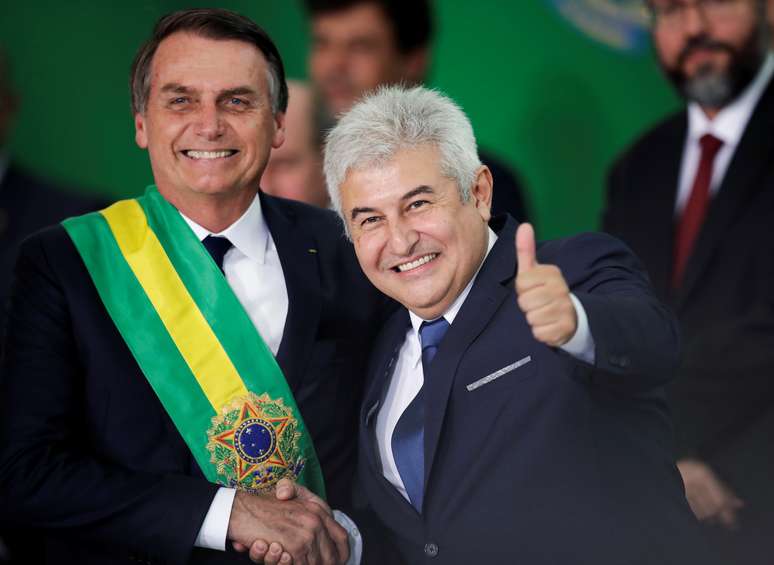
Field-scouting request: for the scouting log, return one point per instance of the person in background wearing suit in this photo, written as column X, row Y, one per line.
column 358, row 45
column 295, row 168
column 27, row 203
column 694, row 198
column 173, row 357
column 514, row 409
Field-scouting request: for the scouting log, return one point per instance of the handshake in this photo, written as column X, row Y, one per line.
column 292, row 526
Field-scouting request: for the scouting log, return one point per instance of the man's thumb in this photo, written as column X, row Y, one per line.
column 286, row 489
column 525, row 247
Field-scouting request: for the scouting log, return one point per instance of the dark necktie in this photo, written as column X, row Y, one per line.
column 217, row 246
column 696, row 209
column 408, row 438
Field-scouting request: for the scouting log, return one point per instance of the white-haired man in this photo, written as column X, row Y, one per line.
column 514, row 407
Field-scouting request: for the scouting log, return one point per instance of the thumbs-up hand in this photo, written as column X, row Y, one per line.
column 542, row 293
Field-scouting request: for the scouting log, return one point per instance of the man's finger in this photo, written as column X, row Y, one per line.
column 525, row 247
column 257, row 551
column 286, row 490
column 307, row 495
column 239, row 547
column 270, row 557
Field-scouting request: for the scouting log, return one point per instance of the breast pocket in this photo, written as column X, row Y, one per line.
column 487, row 379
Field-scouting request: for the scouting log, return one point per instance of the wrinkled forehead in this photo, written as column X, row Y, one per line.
column 187, row 59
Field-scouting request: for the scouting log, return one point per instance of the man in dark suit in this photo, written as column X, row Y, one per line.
column 27, row 203
column 694, row 198
column 359, row 45
column 501, row 425
column 90, row 452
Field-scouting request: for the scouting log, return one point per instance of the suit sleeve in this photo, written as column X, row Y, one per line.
column 51, row 476
column 636, row 337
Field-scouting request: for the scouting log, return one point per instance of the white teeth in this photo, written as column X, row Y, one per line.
column 417, row 263
column 208, row 154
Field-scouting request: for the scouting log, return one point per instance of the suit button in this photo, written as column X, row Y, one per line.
column 431, row 550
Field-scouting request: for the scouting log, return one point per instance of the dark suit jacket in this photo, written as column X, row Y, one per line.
column 556, row 462
column 723, row 398
column 86, row 450
column 27, row 204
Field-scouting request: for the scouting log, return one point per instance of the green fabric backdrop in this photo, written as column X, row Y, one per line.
column 542, row 92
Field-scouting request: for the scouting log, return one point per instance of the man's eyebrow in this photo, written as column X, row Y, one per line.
column 237, row 91
column 422, row 189
column 176, row 87
column 356, row 211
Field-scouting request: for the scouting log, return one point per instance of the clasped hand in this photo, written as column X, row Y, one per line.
column 292, row 526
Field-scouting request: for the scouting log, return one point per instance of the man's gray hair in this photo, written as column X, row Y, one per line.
column 395, row 118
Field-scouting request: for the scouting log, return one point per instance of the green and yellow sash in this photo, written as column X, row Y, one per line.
column 214, row 375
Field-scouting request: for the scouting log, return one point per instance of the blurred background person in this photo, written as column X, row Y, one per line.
column 694, row 198
column 295, row 168
column 358, row 45
column 27, row 203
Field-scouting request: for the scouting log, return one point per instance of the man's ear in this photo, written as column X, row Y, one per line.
column 481, row 192
column 279, row 130
column 140, row 134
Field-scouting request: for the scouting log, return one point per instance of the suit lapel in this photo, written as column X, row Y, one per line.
column 654, row 233
column 381, row 376
column 302, row 278
column 743, row 179
column 486, row 296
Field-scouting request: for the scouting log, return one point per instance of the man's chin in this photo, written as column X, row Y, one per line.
column 710, row 90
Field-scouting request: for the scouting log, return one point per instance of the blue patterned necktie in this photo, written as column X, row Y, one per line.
column 408, row 438
column 217, row 246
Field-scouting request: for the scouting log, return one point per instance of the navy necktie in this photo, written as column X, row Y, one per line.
column 408, row 438
column 217, row 246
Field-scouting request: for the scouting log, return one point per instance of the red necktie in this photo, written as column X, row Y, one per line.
column 695, row 209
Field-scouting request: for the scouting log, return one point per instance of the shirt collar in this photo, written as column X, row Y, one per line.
column 454, row 309
column 249, row 234
column 731, row 121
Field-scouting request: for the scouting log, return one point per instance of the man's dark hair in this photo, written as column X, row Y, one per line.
column 211, row 23
column 411, row 20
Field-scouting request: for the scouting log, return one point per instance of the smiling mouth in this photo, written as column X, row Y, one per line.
column 200, row 155
column 424, row 259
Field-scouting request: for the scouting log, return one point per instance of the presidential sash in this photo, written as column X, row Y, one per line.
column 194, row 342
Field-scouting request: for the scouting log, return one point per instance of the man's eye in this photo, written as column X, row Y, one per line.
column 370, row 220
column 417, row 204
column 179, row 100
column 238, row 102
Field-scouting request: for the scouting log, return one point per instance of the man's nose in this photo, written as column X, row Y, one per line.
column 209, row 122
column 694, row 19
column 403, row 239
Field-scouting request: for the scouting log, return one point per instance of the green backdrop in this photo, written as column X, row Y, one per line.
column 542, row 92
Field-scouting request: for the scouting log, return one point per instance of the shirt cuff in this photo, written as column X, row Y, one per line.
column 353, row 535
column 212, row 534
column 581, row 344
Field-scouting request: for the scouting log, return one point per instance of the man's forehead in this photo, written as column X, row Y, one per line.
column 359, row 20
column 192, row 54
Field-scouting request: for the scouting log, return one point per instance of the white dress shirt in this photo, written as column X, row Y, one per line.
column 254, row 272
column 408, row 376
column 728, row 126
